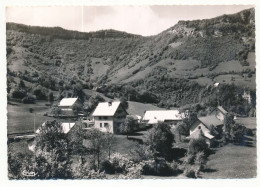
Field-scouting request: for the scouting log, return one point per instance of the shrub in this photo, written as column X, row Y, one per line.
column 160, row 168
column 108, row 167
column 200, row 160
column 18, row 94
column 116, row 164
column 191, row 172
column 188, row 159
column 197, row 145
column 28, row 100
column 248, row 132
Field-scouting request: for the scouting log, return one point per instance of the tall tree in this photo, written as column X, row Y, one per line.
column 51, row 148
column 128, row 126
column 96, row 145
column 160, row 139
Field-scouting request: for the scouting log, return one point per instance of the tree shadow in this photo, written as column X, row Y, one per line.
column 209, row 170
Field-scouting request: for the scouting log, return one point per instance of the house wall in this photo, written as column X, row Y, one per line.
column 220, row 116
column 102, row 120
column 198, row 124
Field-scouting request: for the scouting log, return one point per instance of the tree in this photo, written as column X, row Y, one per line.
column 21, row 84
column 109, row 140
column 190, row 116
column 76, row 108
column 51, row 97
column 51, row 152
column 96, row 145
column 124, row 103
column 78, row 91
column 197, row 145
column 160, row 140
column 55, row 110
column 228, row 123
column 128, row 126
column 141, row 152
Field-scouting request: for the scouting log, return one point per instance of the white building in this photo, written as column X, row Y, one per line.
column 108, row 116
column 167, row 116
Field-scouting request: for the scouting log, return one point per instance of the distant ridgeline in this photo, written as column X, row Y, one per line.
column 58, row 32
column 178, row 66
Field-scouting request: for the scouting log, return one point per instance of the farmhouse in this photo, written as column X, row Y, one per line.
column 66, row 105
column 167, row 116
column 201, row 127
column 219, row 112
column 108, row 116
column 202, row 132
column 64, row 127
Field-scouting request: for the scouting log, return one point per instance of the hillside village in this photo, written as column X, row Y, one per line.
column 174, row 105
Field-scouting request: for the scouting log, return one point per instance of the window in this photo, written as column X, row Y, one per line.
column 105, row 124
column 100, row 125
column 100, row 117
column 105, row 117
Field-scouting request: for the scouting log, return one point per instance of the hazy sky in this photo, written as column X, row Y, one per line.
column 143, row 20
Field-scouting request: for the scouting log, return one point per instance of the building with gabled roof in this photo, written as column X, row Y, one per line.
column 155, row 116
column 108, row 116
column 66, row 106
column 64, row 127
column 219, row 112
column 202, row 133
column 203, row 124
column 67, row 102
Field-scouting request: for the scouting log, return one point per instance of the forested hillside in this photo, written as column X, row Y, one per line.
column 176, row 67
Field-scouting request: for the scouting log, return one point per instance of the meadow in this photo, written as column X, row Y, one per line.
column 21, row 120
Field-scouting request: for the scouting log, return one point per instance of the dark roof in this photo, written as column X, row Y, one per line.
column 221, row 109
column 210, row 120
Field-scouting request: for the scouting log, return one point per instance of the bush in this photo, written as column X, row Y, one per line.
column 160, row 168
column 108, row 167
column 191, row 172
column 197, row 145
column 28, row 100
column 116, row 164
column 188, row 159
column 248, row 132
column 18, row 94
column 200, row 160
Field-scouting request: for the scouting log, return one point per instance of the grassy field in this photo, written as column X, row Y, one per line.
column 19, row 118
column 249, row 122
column 233, row 161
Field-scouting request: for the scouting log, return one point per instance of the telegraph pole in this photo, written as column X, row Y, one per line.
column 34, row 123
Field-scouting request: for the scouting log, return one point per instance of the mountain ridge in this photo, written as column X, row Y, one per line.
column 193, row 54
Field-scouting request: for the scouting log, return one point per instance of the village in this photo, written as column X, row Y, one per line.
column 118, row 104
column 112, row 120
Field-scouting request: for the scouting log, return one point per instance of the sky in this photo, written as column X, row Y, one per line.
column 142, row 20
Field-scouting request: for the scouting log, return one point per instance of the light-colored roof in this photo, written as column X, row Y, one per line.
column 155, row 116
column 198, row 133
column 222, row 110
column 216, row 84
column 105, row 109
column 136, row 117
column 68, row 101
column 64, row 126
column 210, row 120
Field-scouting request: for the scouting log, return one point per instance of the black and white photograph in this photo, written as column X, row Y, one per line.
column 131, row 92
